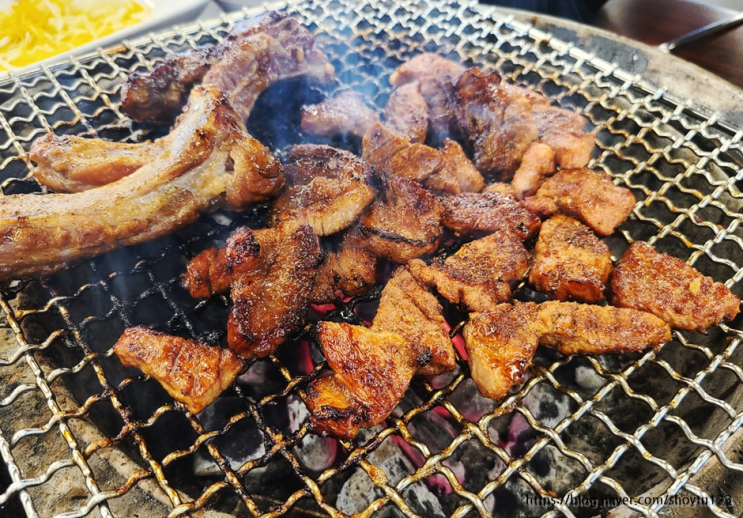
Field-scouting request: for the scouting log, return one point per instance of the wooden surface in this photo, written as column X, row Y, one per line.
column 657, row 21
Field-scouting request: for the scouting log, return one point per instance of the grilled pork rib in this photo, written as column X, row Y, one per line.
column 254, row 57
column 210, row 162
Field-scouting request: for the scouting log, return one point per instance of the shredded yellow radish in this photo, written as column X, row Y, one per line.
column 33, row 30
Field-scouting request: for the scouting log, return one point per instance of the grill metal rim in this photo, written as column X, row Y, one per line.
column 709, row 128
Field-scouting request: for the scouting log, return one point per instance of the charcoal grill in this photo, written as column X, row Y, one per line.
column 81, row 435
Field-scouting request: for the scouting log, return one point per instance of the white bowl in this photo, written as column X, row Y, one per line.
column 164, row 13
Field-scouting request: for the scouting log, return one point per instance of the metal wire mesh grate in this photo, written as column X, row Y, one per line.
column 596, row 427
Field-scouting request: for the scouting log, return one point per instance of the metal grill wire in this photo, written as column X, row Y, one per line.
column 682, row 165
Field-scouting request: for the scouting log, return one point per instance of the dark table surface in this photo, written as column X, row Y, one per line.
column 657, row 21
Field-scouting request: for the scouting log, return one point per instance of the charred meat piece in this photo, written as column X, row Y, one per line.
column 342, row 115
column 477, row 276
column 501, row 342
column 562, row 130
column 410, row 310
column 159, row 95
column 191, row 176
column 591, row 197
column 497, row 125
column 74, row 164
column 574, row 328
column 350, row 270
column 193, row 373
column 394, row 155
column 371, row 372
column 403, row 223
column 406, row 112
column 669, row 288
column 570, row 262
column 457, row 173
column 436, row 76
column 328, row 188
column 252, row 58
column 500, row 345
column 447, row 170
column 213, row 271
column 537, row 163
column 472, row 213
column 269, row 308
column 540, row 206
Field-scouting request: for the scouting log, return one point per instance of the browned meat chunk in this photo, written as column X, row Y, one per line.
column 477, row 276
column 193, row 373
column 591, row 197
column 395, row 156
column 269, row 308
column 669, row 288
column 403, row 223
column 342, row 115
column 187, row 179
column 350, row 270
column 447, row 170
column 500, row 345
column 538, row 163
column 457, row 174
column 371, row 372
column 540, row 206
column 159, row 95
column 562, row 130
column 505, row 189
column 436, row 76
column 259, row 53
column 74, row 164
column 570, row 262
column 213, row 271
column 573, row 328
column 328, row 188
column 498, row 125
column 410, row 310
column 406, row 112
column 501, row 342
column 470, row 213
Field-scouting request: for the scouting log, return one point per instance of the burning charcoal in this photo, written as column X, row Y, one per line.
column 547, row 405
column 470, row 402
column 588, row 378
column 262, row 379
column 242, row 443
column 313, row 452
column 359, row 490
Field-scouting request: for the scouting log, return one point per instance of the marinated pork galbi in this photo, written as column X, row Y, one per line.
column 352, row 271
column 410, row 310
column 192, row 372
column 346, row 114
column 212, row 163
column 537, row 163
column 254, row 57
column 402, row 224
column 213, row 271
column 435, row 76
column 74, row 164
column 406, row 112
column 371, row 372
column 446, row 170
column 570, row 262
column 271, row 304
column 327, row 188
column 477, row 276
column 500, row 343
column 591, row 197
column 483, row 213
column 669, row 288
column 498, row 125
